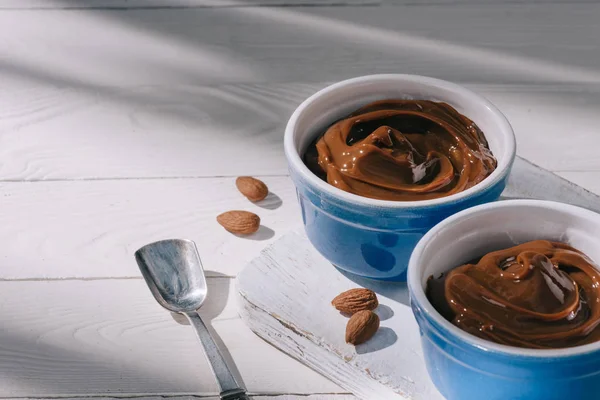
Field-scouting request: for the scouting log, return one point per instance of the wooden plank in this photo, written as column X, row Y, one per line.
column 195, row 397
column 492, row 43
column 158, row 4
column 91, row 229
column 110, row 337
column 528, row 181
column 61, row 132
column 310, row 397
column 503, row 43
column 544, row 136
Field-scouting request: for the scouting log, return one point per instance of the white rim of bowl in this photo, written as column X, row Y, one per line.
column 418, row 294
column 498, row 174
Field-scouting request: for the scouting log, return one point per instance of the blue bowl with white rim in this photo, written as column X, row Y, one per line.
column 465, row 367
column 374, row 238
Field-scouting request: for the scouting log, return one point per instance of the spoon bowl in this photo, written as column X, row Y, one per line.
column 173, row 271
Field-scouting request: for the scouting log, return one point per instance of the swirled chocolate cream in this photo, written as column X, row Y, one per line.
column 403, row 150
column 539, row 294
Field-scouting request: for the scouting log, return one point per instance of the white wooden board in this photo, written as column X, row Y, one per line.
column 285, row 297
column 465, row 42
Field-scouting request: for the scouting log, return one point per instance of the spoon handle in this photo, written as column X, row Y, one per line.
column 230, row 388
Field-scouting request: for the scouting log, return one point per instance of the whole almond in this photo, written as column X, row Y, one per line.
column 242, row 222
column 361, row 327
column 354, row 300
column 254, row 189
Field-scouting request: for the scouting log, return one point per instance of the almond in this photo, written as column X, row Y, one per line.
column 354, row 300
column 254, row 189
column 361, row 327
column 242, row 222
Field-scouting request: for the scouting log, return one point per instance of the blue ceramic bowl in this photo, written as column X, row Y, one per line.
column 374, row 238
column 464, row 367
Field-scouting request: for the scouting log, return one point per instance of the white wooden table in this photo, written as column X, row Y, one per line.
column 124, row 122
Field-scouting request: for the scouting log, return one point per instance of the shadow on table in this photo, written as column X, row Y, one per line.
column 37, row 367
column 271, row 202
column 100, row 358
column 263, row 233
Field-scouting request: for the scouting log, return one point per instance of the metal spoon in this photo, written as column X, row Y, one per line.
column 173, row 271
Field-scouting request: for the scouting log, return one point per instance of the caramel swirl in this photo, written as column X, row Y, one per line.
column 539, row 294
column 402, row 150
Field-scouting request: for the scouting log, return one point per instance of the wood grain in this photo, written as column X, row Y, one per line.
column 309, row 397
column 528, row 181
column 196, row 397
column 159, row 4
column 136, row 94
column 88, row 229
column 389, row 366
column 110, row 337
column 178, row 4
column 230, row 130
column 481, row 43
column 587, row 179
column 111, row 329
